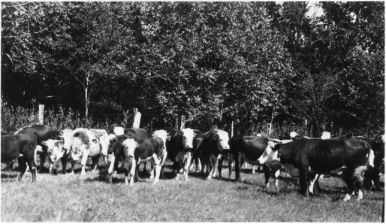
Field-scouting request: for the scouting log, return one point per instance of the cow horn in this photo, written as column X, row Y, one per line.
column 275, row 140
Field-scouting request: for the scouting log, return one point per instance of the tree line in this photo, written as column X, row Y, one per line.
column 247, row 62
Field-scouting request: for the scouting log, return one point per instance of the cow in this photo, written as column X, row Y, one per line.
column 214, row 146
column 8, row 130
column 56, row 152
column 197, row 155
column 93, row 143
column 23, row 148
column 322, row 156
column 162, row 134
column 133, row 152
column 248, row 148
column 115, row 141
column 372, row 175
column 179, row 149
column 42, row 132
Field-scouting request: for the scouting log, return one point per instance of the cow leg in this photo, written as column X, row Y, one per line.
column 238, row 161
column 347, row 176
column 42, row 156
column 83, row 162
column 72, row 166
column 312, row 184
column 32, row 165
column 220, row 161
column 95, row 161
column 22, row 167
column 211, row 164
column 64, row 163
column 157, row 164
column 133, row 171
column 111, row 167
column 186, row 165
column 304, row 181
column 277, row 174
column 229, row 165
column 266, row 175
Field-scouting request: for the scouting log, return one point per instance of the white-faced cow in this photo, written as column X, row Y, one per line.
column 322, row 156
column 42, row 132
column 115, row 146
column 86, row 143
column 56, row 153
column 214, row 146
column 179, row 149
column 21, row 147
column 162, row 134
column 133, row 152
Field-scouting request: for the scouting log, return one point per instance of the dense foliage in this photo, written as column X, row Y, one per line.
column 250, row 62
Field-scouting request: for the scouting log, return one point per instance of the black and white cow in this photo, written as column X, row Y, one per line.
column 21, row 147
column 322, row 156
column 373, row 174
column 213, row 148
column 248, row 148
column 179, row 149
column 116, row 140
column 133, row 152
column 42, row 132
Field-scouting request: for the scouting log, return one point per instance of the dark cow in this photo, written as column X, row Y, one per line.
column 133, row 152
column 323, row 156
column 21, row 147
column 197, row 155
column 8, row 130
column 372, row 175
column 179, row 149
column 248, row 148
column 214, row 146
column 42, row 132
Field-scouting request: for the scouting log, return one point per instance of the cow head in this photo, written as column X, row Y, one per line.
column 67, row 136
column 269, row 153
column 54, row 148
column 129, row 146
column 187, row 138
column 113, row 143
column 223, row 140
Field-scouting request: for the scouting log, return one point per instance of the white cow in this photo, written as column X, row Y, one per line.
column 82, row 143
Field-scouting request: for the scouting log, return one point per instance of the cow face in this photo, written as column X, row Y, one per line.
column 67, row 136
column 187, row 138
column 223, row 140
column 113, row 143
column 129, row 147
column 54, row 148
column 269, row 153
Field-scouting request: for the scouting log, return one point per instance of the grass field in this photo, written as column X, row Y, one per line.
column 74, row 198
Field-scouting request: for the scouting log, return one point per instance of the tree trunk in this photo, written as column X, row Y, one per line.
column 86, row 96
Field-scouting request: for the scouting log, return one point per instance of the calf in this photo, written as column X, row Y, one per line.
column 42, row 133
column 21, row 147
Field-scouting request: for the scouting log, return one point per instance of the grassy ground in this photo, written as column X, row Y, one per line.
column 73, row 198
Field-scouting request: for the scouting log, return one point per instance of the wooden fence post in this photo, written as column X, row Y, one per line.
column 183, row 120
column 137, row 118
column 232, row 126
column 41, row 114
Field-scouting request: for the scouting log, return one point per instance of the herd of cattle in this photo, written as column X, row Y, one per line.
column 360, row 159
